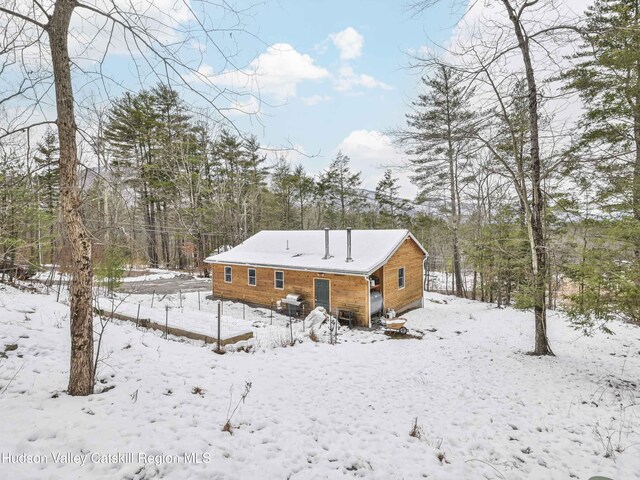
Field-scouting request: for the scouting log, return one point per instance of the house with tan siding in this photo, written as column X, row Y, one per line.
column 362, row 272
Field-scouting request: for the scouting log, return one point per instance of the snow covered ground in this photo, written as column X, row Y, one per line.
column 130, row 275
column 482, row 407
column 194, row 312
column 201, row 322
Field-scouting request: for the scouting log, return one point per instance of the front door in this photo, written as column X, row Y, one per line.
column 322, row 293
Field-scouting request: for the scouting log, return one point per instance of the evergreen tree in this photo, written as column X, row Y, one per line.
column 17, row 210
column 282, row 186
column 175, row 144
column 438, row 140
column 341, row 187
column 392, row 209
column 232, row 185
column 253, row 163
column 303, row 187
column 131, row 133
column 48, row 180
column 607, row 77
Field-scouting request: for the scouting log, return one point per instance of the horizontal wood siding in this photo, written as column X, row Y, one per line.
column 348, row 292
column 409, row 256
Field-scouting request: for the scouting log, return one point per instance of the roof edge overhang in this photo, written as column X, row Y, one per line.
column 358, row 273
column 408, row 235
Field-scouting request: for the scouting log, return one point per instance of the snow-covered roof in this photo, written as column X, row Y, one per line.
column 305, row 250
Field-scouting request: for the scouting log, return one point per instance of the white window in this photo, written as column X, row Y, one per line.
column 251, row 273
column 400, row 278
column 279, row 280
column 228, row 277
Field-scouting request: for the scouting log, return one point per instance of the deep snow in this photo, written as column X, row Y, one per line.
column 484, row 408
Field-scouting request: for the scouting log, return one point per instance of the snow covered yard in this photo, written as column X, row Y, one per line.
column 194, row 312
column 484, row 408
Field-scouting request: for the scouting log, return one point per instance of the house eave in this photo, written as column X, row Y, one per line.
column 409, row 235
column 288, row 267
column 377, row 265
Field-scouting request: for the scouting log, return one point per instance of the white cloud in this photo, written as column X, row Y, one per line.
column 486, row 29
column 276, row 72
column 315, row 99
column 347, row 80
column 279, row 70
column 368, row 146
column 423, row 51
column 160, row 20
column 240, row 107
column 371, row 152
column 349, row 42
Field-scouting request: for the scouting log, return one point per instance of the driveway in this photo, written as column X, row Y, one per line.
column 165, row 286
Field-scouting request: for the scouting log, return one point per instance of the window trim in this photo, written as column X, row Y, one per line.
column 255, row 277
column 230, row 274
column 404, row 278
column 275, row 279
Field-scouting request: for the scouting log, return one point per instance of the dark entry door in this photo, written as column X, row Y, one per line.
column 322, row 293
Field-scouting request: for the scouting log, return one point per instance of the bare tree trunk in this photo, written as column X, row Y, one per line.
column 150, row 225
column 539, row 253
column 635, row 197
column 455, row 223
column 636, row 178
column 200, row 253
column 81, row 374
column 164, row 235
column 455, row 201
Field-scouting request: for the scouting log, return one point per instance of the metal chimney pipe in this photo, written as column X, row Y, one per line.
column 326, row 244
column 349, row 259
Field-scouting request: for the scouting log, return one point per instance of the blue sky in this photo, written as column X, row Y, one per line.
column 349, row 81
column 329, row 74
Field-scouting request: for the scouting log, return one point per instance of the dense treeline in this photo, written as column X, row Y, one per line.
column 165, row 187
column 170, row 189
column 537, row 211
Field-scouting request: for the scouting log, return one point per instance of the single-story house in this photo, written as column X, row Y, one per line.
column 363, row 272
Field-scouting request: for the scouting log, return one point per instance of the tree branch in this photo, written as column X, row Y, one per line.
column 24, row 17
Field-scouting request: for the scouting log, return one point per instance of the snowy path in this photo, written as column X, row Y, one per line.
column 320, row 411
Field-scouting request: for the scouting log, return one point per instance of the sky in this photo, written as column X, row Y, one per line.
column 333, row 75
column 320, row 76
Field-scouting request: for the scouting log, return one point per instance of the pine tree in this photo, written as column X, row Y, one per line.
column 19, row 211
column 392, row 209
column 282, row 187
column 48, row 180
column 253, row 163
column 232, row 184
column 438, row 140
column 303, row 187
column 175, row 143
column 341, row 187
column 607, row 77
column 131, row 133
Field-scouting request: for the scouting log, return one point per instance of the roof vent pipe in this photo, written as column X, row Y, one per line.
column 326, row 244
column 349, row 259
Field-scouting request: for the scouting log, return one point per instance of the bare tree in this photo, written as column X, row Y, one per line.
column 439, row 136
column 157, row 48
column 522, row 30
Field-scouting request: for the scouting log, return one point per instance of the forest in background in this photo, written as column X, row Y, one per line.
column 164, row 186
